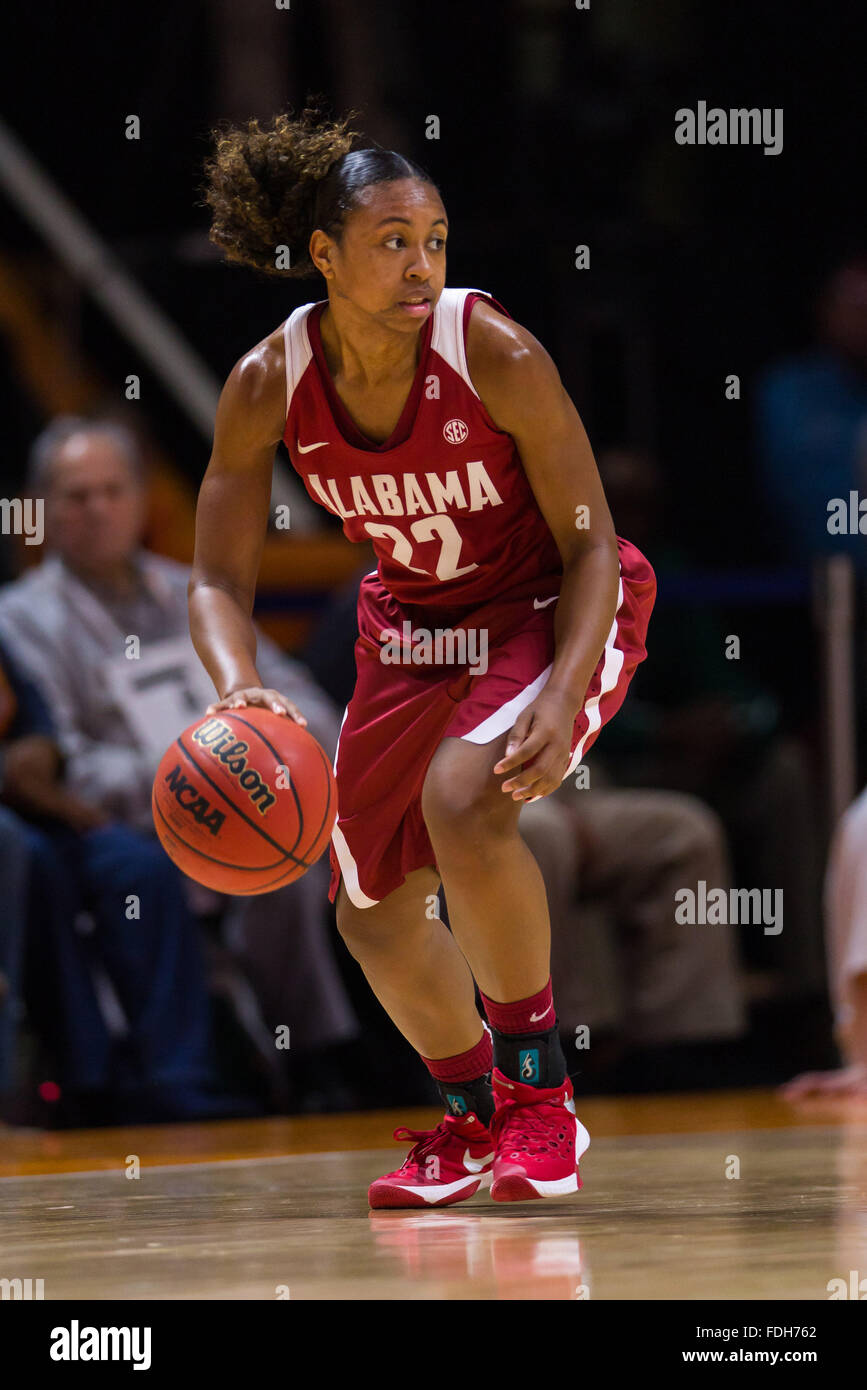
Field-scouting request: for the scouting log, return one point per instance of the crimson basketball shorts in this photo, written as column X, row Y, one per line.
column 411, row 692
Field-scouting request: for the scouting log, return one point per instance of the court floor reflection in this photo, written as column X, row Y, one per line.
column 775, row 1213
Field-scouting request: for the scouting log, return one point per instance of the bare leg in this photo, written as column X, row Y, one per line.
column 494, row 889
column 414, row 966
column 498, row 911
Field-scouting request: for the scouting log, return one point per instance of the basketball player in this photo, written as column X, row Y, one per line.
column 436, row 428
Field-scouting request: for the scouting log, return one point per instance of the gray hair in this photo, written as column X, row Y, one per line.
column 48, row 444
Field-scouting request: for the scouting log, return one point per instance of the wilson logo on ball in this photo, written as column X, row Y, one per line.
column 220, row 741
column 190, row 799
column 236, row 761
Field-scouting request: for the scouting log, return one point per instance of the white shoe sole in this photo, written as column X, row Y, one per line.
column 432, row 1194
column 554, row 1187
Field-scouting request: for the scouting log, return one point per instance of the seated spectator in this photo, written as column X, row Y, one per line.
column 812, row 423
column 811, row 427
column 24, row 731
column 62, row 858
column 627, row 853
column 101, row 626
column 15, row 878
column 699, row 723
column 846, row 945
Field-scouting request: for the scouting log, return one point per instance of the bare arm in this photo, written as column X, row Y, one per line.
column 231, row 523
column 522, row 392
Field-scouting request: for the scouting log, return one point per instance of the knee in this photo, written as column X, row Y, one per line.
column 697, row 832
column 464, row 814
column 549, row 827
column 705, row 831
column 356, row 926
column 141, row 862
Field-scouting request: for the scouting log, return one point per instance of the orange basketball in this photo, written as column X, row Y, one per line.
column 244, row 801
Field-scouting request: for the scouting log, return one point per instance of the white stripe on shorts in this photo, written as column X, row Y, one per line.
column 348, row 866
column 503, row 718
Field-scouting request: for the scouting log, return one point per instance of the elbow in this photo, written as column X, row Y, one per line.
column 195, row 585
column 199, row 580
column 202, row 586
column 580, row 549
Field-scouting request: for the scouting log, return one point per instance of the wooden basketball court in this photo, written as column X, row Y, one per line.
column 277, row 1208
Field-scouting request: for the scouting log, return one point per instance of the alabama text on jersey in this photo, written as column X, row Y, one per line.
column 444, row 500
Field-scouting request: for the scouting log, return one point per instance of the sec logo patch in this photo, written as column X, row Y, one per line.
column 455, row 431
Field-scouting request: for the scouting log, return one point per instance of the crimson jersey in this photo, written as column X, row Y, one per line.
column 444, row 500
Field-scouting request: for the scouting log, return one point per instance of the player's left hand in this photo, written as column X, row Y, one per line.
column 539, row 743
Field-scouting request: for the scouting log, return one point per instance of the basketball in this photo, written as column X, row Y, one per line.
column 244, row 801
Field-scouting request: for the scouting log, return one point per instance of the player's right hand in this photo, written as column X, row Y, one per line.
column 265, row 699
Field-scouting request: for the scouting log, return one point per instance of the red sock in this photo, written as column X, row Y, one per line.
column 464, row 1066
column 525, row 1016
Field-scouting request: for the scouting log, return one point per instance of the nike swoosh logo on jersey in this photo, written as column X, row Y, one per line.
column 537, row 1018
column 544, row 603
column 475, row 1165
column 305, row 448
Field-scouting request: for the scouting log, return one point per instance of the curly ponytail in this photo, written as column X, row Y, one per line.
column 272, row 186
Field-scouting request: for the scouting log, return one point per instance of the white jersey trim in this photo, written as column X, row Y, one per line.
column 447, row 337
column 298, row 351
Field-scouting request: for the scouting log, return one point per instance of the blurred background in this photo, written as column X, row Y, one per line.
column 555, row 131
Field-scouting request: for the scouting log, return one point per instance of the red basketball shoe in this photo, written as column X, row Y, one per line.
column 445, row 1165
column 538, row 1141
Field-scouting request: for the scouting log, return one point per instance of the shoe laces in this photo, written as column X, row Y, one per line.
column 427, row 1141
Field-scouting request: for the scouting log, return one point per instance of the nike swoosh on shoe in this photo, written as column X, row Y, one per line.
column 475, row 1165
